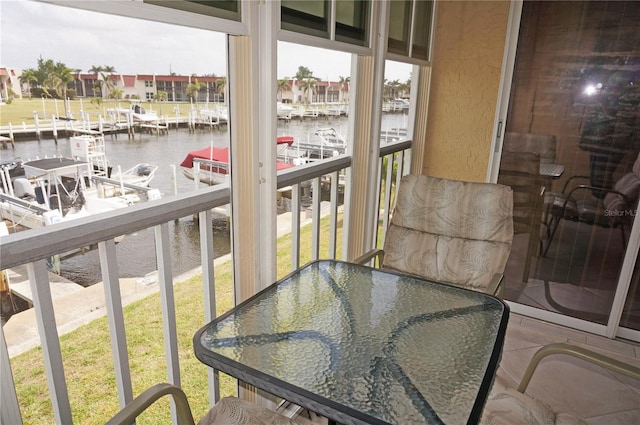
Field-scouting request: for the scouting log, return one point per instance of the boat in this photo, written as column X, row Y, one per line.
column 45, row 191
column 140, row 114
column 92, row 149
column 212, row 116
column 284, row 110
column 326, row 142
column 137, row 113
column 211, row 165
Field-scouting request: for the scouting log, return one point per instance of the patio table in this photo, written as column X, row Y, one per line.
column 552, row 170
column 363, row 346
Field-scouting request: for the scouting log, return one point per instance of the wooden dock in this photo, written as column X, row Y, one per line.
column 55, row 128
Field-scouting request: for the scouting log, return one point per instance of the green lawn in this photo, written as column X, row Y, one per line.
column 22, row 110
column 87, row 351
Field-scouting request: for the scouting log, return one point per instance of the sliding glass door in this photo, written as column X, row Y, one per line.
column 571, row 152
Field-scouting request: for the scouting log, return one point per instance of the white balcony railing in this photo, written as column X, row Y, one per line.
column 34, row 247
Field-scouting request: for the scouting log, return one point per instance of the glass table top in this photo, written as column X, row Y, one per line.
column 373, row 345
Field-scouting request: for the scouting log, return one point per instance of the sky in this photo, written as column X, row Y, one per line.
column 82, row 39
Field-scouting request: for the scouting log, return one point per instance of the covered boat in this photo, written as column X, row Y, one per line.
column 213, row 163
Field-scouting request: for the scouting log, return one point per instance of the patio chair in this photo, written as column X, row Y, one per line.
column 544, row 145
column 227, row 411
column 509, row 406
column 521, row 172
column 449, row 231
column 614, row 209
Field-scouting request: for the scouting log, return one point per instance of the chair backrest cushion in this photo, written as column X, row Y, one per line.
column 509, row 407
column 629, row 186
column 450, row 231
column 235, row 411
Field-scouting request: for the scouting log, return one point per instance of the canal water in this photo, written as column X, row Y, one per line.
column 136, row 252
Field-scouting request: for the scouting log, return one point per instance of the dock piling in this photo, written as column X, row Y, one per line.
column 37, row 122
column 54, row 128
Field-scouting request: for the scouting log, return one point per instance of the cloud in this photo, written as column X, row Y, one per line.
column 81, row 39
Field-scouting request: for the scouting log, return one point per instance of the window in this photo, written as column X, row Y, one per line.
column 410, row 28
column 313, row 17
column 225, row 9
column 422, row 30
column 352, row 22
column 399, row 27
column 307, row 17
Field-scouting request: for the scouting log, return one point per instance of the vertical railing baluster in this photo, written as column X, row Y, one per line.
column 387, row 196
column 295, row 226
column 401, row 161
column 115, row 317
column 401, row 167
column 46, row 321
column 315, row 220
column 376, row 229
column 9, row 408
column 209, row 291
column 333, row 231
column 167, row 300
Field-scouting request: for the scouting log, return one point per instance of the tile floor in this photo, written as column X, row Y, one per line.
column 568, row 384
column 577, row 277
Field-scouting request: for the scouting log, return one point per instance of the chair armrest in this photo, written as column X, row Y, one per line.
column 570, row 179
column 581, row 353
column 495, row 286
column 376, row 253
column 596, row 188
column 130, row 412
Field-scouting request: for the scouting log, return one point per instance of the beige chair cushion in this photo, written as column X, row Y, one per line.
column 509, row 407
column 450, row 231
column 234, row 411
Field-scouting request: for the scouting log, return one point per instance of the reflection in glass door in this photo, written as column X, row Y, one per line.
column 571, row 152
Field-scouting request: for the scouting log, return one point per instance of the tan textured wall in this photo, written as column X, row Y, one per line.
column 466, row 66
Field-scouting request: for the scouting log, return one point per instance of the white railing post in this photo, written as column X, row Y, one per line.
column 9, row 408
column 315, row 214
column 295, row 226
column 167, row 301
column 387, row 196
column 333, row 231
column 46, row 321
column 113, row 304
column 208, row 289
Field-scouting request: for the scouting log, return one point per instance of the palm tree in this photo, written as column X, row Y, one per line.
column 29, row 77
column 58, row 79
column 115, row 94
column 283, row 85
column 404, row 88
column 106, row 84
column 194, row 88
column 344, row 85
column 308, row 85
column 393, row 88
column 96, row 69
column 221, row 84
column 161, row 96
